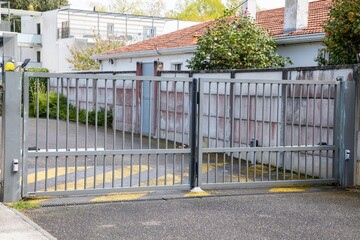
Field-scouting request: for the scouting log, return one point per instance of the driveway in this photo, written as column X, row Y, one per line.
column 311, row 215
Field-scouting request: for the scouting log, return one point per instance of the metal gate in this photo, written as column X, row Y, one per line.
column 266, row 132
column 84, row 133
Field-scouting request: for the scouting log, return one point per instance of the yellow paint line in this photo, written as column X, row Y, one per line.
column 287, row 190
column 161, row 181
column 126, row 196
column 99, row 178
column 41, row 176
column 205, row 169
column 38, row 200
column 197, row 194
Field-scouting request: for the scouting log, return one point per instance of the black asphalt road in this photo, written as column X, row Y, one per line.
column 310, row 215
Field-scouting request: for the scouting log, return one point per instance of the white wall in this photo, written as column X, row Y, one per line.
column 302, row 55
column 130, row 63
column 49, row 53
column 9, row 49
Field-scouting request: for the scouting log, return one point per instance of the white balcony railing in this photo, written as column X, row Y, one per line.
column 29, row 39
column 34, row 65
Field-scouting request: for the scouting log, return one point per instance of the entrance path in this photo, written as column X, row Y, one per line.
column 333, row 214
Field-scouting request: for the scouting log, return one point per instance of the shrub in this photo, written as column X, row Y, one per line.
column 62, row 108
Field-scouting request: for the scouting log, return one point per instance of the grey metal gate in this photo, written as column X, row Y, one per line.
column 268, row 132
column 84, row 133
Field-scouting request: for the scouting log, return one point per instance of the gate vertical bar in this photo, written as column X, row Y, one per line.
column 11, row 138
column 199, row 96
column 193, row 131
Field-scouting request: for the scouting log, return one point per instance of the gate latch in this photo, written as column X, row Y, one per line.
column 347, row 154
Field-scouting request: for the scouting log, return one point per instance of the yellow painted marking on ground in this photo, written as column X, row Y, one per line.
column 287, row 190
column 161, row 181
column 205, row 169
column 38, row 200
column 126, row 196
column 197, row 194
column 41, row 176
column 99, row 178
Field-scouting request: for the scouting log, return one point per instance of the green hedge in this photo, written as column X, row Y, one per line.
column 53, row 98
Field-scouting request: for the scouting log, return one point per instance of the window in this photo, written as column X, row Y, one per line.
column 65, row 30
column 38, row 56
column 149, row 32
column 38, row 28
column 177, row 66
column 110, row 29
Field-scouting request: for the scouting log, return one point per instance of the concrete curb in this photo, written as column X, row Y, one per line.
column 15, row 225
column 33, row 224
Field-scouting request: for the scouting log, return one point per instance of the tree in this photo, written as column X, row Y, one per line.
column 127, row 6
column 81, row 58
column 38, row 5
column 197, row 10
column 155, row 8
column 342, row 34
column 235, row 43
column 138, row 7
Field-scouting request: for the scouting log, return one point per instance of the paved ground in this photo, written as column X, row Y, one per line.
column 330, row 214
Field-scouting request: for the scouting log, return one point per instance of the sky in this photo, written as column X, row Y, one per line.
column 263, row 4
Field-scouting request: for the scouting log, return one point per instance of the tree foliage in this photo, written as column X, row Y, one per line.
column 197, row 10
column 137, row 7
column 38, row 5
column 81, row 58
column 235, row 43
column 342, row 39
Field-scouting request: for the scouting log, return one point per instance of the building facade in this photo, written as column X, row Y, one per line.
column 297, row 30
column 47, row 37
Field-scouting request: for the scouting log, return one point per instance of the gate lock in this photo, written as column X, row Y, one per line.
column 347, row 155
column 15, row 166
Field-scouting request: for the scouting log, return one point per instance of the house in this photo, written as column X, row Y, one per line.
column 66, row 28
column 46, row 37
column 12, row 44
column 297, row 30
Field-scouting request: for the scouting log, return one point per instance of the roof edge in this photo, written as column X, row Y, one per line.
column 148, row 53
column 306, row 38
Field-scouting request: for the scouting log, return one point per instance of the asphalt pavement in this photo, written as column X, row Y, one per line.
column 330, row 214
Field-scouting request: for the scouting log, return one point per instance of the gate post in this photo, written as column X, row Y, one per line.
column 345, row 137
column 193, row 132
column 11, row 138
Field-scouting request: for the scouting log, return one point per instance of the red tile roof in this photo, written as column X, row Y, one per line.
column 270, row 20
column 273, row 20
